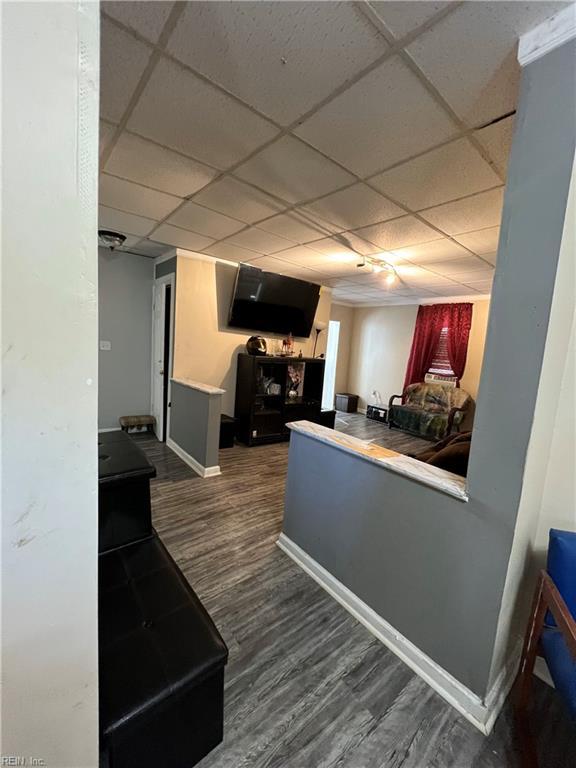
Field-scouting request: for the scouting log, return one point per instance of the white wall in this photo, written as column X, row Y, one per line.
column 125, row 320
column 49, row 342
column 549, row 490
column 345, row 316
column 381, row 341
column 380, row 346
column 205, row 348
column 476, row 342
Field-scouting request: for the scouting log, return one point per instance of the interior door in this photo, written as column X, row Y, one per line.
column 158, row 324
column 331, row 363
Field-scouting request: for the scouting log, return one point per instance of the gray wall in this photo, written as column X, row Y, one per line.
column 430, row 565
column 195, row 423
column 125, row 319
column 167, row 267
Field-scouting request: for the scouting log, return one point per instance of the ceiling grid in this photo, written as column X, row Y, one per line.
column 294, row 124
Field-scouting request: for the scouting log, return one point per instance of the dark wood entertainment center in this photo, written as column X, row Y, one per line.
column 263, row 403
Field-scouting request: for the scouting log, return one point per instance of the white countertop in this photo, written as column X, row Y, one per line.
column 440, row 479
column 208, row 389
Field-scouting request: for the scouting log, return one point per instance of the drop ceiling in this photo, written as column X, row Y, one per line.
column 298, row 136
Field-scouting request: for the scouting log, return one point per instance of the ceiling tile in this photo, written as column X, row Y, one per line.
column 183, row 112
column 355, row 207
column 473, row 276
column 403, row 17
column 483, row 286
column 437, row 250
column 333, row 246
column 497, row 140
column 477, row 212
column 231, row 252
column 470, row 56
column 399, row 233
column 457, row 266
column 181, row 238
column 133, row 198
column 301, row 255
column 293, row 171
column 258, row 240
column 147, row 163
column 385, row 117
column 451, row 171
column 482, row 241
column 347, row 241
column 293, row 227
column 150, row 248
column 455, row 290
column 145, row 16
column 281, row 58
column 491, row 258
column 228, row 195
column 122, row 63
column 205, row 221
column 107, row 130
column 125, row 223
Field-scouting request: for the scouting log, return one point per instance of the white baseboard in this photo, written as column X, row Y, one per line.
column 109, row 429
column 191, row 461
column 481, row 714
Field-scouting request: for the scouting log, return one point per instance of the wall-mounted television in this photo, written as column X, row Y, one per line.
column 264, row 301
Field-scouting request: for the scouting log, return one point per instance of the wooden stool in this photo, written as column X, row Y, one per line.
column 138, row 422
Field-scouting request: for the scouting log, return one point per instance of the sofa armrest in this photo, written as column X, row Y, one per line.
column 391, row 401
column 451, row 416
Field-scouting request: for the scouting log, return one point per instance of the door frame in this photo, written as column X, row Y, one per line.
column 159, row 291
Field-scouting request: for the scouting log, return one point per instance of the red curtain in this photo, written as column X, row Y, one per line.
column 458, row 320
column 429, row 323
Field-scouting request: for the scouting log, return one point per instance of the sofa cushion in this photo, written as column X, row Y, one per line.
column 155, row 636
column 561, row 566
column 453, row 458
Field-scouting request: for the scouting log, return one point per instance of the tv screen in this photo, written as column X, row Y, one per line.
column 264, row 301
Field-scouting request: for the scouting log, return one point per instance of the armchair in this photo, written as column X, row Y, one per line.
column 430, row 411
column 551, row 633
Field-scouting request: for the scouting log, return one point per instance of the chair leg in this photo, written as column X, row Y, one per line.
column 523, row 685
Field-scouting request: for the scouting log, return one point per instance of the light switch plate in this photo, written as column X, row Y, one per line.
column 105, row 346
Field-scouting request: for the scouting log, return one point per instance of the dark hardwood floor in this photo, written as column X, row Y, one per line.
column 307, row 686
column 359, row 426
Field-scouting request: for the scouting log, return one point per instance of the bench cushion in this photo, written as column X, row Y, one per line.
column 156, row 638
column 121, row 459
column 137, row 421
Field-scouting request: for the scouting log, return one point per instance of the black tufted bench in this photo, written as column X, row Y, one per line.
column 161, row 663
column 124, row 475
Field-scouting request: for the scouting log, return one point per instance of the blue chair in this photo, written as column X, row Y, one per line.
column 551, row 633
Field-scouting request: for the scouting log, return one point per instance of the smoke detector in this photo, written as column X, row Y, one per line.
column 109, row 239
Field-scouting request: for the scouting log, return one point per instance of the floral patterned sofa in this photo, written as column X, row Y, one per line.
column 430, row 411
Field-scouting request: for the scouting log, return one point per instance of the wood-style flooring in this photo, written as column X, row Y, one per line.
column 307, row 686
column 359, row 426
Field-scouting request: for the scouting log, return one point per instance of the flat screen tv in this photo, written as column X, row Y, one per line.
column 264, row 301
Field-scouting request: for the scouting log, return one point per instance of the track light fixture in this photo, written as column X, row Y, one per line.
column 379, row 265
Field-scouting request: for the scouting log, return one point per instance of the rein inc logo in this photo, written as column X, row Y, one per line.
column 19, row 760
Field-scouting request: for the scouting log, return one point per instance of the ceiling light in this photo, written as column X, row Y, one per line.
column 390, row 278
column 109, row 239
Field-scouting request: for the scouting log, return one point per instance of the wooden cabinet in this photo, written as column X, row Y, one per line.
column 272, row 391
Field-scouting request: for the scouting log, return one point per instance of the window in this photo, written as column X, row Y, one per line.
column 440, row 362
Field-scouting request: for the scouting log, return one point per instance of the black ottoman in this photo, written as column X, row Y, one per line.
column 161, row 663
column 124, row 475
column 227, row 431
